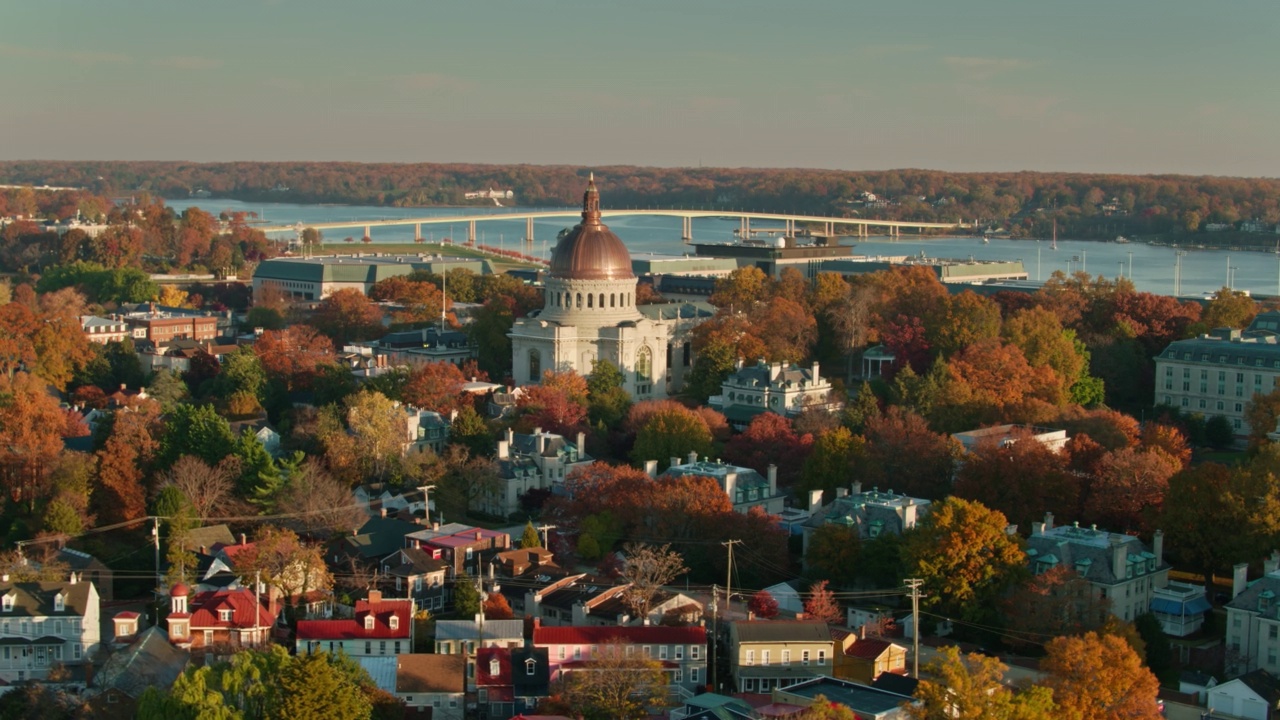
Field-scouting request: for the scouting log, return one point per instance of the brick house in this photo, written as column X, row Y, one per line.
column 682, row 651
column 237, row 617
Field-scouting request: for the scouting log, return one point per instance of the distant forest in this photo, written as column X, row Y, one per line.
column 1219, row 210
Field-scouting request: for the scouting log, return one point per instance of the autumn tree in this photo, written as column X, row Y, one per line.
column 741, row 289
column 321, row 503
column 905, row 455
column 435, row 386
column 293, row 354
column 1099, row 677
column 832, row 553
column 378, row 429
column 674, row 431
column 646, row 570
column 1130, row 485
column 31, row 429
column 1019, row 476
column 770, row 439
column 206, row 489
column 615, row 685
column 530, row 538
column 124, row 463
column 348, row 316
column 281, row 560
column 972, row 687
column 558, row 404
column 827, row 466
column 821, row 604
column 421, row 302
column 496, row 607
column 966, row 556
column 762, row 605
column 1228, row 309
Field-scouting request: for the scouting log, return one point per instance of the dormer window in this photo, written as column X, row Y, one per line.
column 59, row 604
column 368, row 622
column 394, row 622
column 530, row 665
column 224, row 615
column 494, row 668
column 8, row 603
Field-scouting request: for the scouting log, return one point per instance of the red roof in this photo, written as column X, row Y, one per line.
column 247, row 611
column 354, row 629
column 231, row 551
column 126, row 615
column 651, row 634
column 868, row 649
column 484, row 661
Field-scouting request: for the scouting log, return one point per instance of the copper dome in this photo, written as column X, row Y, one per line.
column 591, row 251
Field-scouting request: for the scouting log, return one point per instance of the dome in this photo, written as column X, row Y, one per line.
column 180, row 590
column 591, row 251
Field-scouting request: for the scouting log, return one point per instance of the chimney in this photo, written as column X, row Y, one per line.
column 1048, row 521
column 73, row 578
column 204, row 550
column 673, row 461
column 375, row 596
column 773, row 479
column 693, row 456
column 1272, row 563
column 435, row 526
column 815, row 500
column 243, row 539
column 842, row 492
column 857, row 487
column 382, row 512
column 815, row 372
column 1037, row 529
column 731, row 485
column 1239, row 579
column 1118, row 556
column 504, row 450
column 582, row 442
column 651, row 468
column 479, row 534
column 511, row 436
column 1157, row 547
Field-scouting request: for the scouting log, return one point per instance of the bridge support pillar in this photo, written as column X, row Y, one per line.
column 368, row 231
column 744, row 228
column 528, row 230
column 686, row 229
column 830, row 228
column 417, row 232
column 471, row 232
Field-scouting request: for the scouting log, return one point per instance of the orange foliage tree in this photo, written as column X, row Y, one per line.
column 348, row 316
column 435, row 386
column 1099, row 677
column 124, row 461
column 1023, row 479
column 293, row 354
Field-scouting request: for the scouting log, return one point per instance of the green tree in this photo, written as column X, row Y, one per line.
column 711, row 366
column 264, row 317
column 1219, row 433
column 258, row 471
column 971, row 687
column 861, row 407
column 466, row 596
column 1159, row 652
column 530, row 537
column 833, row 552
column 827, row 466
column 312, row 686
column 195, row 430
column 671, row 432
column 965, row 555
column 1228, row 309
column 242, row 372
column 607, row 401
column 168, row 389
column 470, row 431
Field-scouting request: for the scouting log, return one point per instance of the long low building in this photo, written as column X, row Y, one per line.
column 316, row 278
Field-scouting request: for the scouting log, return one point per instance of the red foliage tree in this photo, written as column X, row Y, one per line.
column 1022, row 479
column 763, row 605
column 435, row 386
column 348, row 316
column 293, row 354
column 1130, row 485
column 770, row 440
column 496, row 607
column 903, row 454
column 821, row 604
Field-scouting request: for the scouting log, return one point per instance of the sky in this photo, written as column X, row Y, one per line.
column 1158, row 86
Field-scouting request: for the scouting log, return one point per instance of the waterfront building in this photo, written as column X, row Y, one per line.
column 316, row 278
column 590, row 314
column 1219, row 373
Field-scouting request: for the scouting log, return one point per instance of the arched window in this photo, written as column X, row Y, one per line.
column 535, row 364
column 590, row 297
column 579, row 301
column 644, row 365
column 602, row 301
column 613, row 297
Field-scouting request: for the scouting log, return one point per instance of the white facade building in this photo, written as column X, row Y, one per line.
column 46, row 623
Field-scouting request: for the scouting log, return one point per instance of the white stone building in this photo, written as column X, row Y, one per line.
column 590, row 314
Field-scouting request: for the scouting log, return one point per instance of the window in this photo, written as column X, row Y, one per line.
column 1272, row 632
column 693, row 675
column 368, row 622
column 368, row 647
column 57, row 627
column 648, row 651
column 764, row 657
column 751, row 657
column 644, row 365
column 695, row 652
column 679, row 676
column 530, row 666
column 58, row 605
column 822, row 657
column 786, row 657
column 208, row 637
column 394, row 621
column 577, row 653
column 560, row 654
column 8, row 603
column 804, row 657
column 397, row 647
column 75, row 649
column 662, row 652
column 382, row 647
column 535, row 357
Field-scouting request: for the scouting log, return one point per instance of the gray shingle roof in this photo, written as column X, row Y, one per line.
column 782, row 631
column 1089, row 552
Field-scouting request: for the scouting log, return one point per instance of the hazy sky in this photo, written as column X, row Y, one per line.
column 1118, row 86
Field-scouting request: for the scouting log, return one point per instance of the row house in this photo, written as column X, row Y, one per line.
column 103, row 330
column 431, row 686
column 419, row 574
column 464, row 548
column 1253, row 619
column 588, row 600
column 538, row 461
column 682, row 651
column 764, row 655
column 469, row 637
column 240, row 617
column 745, row 487
column 381, row 626
column 46, row 623
column 1120, row 568
column 511, row 680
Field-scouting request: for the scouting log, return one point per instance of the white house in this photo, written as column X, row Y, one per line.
column 380, row 627
column 46, row 623
column 1250, row 697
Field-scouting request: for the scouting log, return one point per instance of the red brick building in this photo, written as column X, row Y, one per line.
column 225, row 617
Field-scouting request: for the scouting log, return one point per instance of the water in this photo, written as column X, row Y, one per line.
column 1151, row 268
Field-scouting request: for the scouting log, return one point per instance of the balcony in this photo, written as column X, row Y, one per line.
column 1180, row 608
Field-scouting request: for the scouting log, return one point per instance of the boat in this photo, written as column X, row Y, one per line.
column 1122, row 239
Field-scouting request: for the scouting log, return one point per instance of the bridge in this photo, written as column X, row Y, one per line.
column 862, row 226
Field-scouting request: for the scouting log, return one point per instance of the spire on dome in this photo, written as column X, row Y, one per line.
column 591, row 202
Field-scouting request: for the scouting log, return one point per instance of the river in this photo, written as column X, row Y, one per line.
column 1150, row 267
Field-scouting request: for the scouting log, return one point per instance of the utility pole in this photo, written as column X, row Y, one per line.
column 426, row 500
column 728, row 583
column 546, row 534
column 711, row 645
column 914, row 584
column 155, row 537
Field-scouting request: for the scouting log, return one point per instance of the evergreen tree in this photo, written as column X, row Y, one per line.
column 466, row 596
column 168, row 389
column 530, row 538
